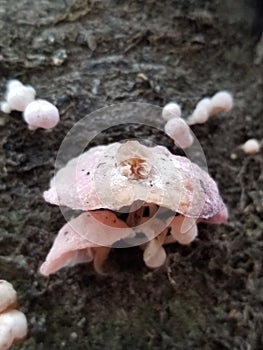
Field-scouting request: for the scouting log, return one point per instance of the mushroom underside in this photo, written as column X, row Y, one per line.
column 90, row 236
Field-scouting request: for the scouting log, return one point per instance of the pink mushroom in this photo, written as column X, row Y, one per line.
column 13, row 323
column 41, row 114
column 147, row 180
column 76, row 241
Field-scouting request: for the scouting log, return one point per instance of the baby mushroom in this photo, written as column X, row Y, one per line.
column 41, row 114
column 171, row 110
column 201, row 112
column 18, row 96
column 13, row 328
column 222, row 101
column 179, row 131
column 13, row 323
column 251, row 146
column 8, row 296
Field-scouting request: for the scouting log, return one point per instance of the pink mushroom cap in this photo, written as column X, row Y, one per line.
column 78, row 239
column 98, row 179
column 122, row 175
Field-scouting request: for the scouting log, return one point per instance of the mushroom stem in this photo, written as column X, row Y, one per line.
column 100, row 256
column 184, row 229
column 154, row 254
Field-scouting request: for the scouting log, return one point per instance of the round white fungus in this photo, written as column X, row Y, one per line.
column 8, row 296
column 41, row 114
column 13, row 327
column 5, row 108
column 222, row 101
column 171, row 110
column 13, row 83
column 251, row 146
column 19, row 97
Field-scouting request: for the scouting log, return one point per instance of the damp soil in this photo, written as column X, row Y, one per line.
column 83, row 55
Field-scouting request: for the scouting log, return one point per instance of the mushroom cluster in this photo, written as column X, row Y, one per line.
column 129, row 194
column 36, row 113
column 13, row 323
column 222, row 101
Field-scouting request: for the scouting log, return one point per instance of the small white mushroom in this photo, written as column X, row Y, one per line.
column 13, row 83
column 5, row 108
column 201, row 112
column 180, row 132
column 13, row 328
column 251, row 146
column 8, row 296
column 171, row 110
column 222, row 101
column 41, row 114
column 18, row 97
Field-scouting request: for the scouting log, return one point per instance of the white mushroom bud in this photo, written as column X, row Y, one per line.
column 222, row 101
column 13, row 328
column 19, row 96
column 41, row 114
column 201, row 112
column 13, row 83
column 171, row 110
column 5, row 108
column 251, row 146
column 180, row 132
column 8, row 296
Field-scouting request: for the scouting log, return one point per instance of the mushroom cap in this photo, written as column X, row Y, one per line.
column 13, row 83
column 41, row 114
column 19, row 97
column 14, row 323
column 221, row 101
column 75, row 241
column 200, row 115
column 251, row 146
column 8, row 295
column 5, row 108
column 171, row 110
column 96, row 180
